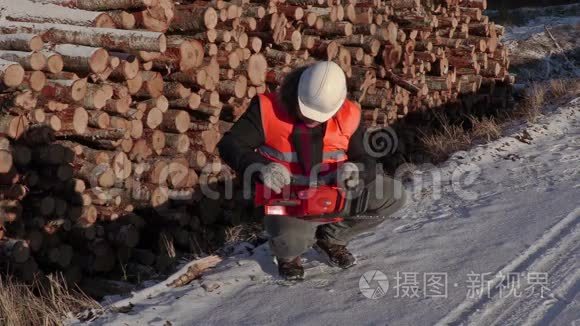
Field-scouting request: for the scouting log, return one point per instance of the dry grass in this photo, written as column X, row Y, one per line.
column 167, row 245
column 439, row 145
column 558, row 88
column 485, row 128
column 574, row 87
column 564, row 88
column 443, row 143
column 535, row 98
column 242, row 233
column 42, row 304
column 538, row 95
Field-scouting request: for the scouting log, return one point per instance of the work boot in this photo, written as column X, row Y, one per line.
column 337, row 255
column 291, row 269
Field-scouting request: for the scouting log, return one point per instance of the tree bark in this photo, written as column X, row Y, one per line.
column 25, row 11
column 21, row 42
column 193, row 18
column 100, row 37
column 28, row 60
column 175, row 121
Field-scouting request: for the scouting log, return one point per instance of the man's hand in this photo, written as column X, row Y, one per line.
column 275, row 176
column 349, row 175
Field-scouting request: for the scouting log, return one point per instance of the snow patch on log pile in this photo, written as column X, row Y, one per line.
column 103, row 37
column 24, row 10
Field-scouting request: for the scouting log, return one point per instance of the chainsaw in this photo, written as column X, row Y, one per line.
column 319, row 203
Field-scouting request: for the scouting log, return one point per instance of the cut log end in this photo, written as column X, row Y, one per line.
column 80, row 120
column 154, row 118
column 5, row 161
column 256, row 69
column 11, row 74
column 36, row 80
column 54, row 63
column 35, row 43
column 182, row 121
column 78, row 89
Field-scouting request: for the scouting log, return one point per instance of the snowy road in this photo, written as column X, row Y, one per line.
column 507, row 208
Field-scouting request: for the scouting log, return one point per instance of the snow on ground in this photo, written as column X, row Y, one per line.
column 536, row 18
column 534, row 54
column 504, row 208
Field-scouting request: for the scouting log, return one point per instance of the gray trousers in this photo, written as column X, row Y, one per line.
column 291, row 237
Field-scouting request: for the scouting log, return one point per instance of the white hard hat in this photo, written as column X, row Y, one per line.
column 321, row 91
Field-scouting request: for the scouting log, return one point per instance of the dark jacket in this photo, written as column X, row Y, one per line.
column 237, row 147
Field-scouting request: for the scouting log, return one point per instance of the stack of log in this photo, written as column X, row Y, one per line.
column 112, row 107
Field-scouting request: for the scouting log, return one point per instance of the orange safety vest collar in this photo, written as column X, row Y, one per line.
column 278, row 125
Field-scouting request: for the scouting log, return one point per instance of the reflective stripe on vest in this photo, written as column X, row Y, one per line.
column 292, row 157
column 278, row 125
column 303, row 180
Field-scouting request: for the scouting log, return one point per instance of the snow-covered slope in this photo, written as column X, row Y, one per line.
column 537, row 18
column 504, row 208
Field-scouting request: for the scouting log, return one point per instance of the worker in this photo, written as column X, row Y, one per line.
column 284, row 136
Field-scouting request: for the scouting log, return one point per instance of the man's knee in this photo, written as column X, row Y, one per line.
column 386, row 195
column 289, row 237
column 289, row 247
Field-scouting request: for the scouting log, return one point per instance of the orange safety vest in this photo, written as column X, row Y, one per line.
column 278, row 125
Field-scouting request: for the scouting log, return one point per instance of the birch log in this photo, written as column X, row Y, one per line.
column 27, row 11
column 21, row 42
column 80, row 58
column 100, row 37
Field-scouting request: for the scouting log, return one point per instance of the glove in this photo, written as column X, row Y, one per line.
column 348, row 175
column 275, row 176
